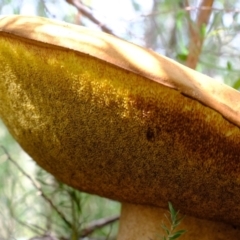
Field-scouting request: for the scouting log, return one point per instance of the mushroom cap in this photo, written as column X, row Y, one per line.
column 114, row 119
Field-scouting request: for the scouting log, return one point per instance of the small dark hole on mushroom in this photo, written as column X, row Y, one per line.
column 150, row 134
column 235, row 227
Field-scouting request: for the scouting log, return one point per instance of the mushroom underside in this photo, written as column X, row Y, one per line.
column 109, row 131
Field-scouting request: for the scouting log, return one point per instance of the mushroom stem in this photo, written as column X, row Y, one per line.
column 144, row 223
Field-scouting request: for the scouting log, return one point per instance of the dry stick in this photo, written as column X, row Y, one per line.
column 98, row 224
column 37, row 187
column 87, row 13
column 227, row 10
column 33, row 227
column 196, row 37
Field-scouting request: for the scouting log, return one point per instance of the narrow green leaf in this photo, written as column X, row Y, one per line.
column 182, row 57
column 236, row 85
column 181, row 231
column 229, row 66
column 179, row 19
column 175, row 236
column 171, row 209
column 203, row 30
column 178, row 221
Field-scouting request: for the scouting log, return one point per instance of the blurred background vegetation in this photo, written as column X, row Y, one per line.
column 202, row 34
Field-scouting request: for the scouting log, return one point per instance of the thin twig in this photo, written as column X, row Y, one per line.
column 37, row 187
column 209, row 8
column 33, row 227
column 88, row 13
column 196, row 37
column 44, row 237
column 96, row 224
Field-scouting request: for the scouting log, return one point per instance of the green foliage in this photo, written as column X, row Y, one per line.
column 236, row 85
column 203, row 31
column 175, row 220
column 229, row 66
column 35, row 204
column 182, row 57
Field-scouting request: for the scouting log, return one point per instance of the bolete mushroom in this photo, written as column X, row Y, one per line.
column 111, row 118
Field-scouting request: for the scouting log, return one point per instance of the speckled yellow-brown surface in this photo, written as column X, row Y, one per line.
column 109, row 130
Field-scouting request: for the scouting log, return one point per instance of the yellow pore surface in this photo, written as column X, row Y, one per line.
column 110, row 132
